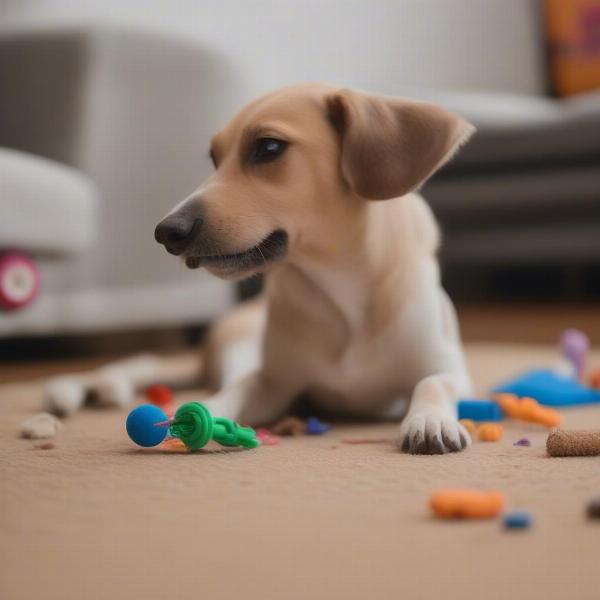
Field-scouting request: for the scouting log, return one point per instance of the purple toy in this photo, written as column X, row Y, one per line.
column 522, row 442
column 575, row 345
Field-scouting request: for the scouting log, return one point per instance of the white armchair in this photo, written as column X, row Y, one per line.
column 133, row 112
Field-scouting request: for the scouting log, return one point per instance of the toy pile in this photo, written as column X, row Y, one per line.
column 534, row 395
column 531, row 397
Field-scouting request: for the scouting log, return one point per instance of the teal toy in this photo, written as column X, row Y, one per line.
column 193, row 424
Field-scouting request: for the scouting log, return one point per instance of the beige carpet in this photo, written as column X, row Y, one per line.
column 311, row 518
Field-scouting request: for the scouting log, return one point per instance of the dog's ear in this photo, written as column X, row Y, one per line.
column 390, row 146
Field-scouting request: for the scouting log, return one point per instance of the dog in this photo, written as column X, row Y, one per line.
column 315, row 187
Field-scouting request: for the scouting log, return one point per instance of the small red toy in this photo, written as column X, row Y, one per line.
column 160, row 395
column 266, row 437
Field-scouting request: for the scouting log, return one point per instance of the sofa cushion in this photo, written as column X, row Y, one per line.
column 557, row 243
column 515, row 131
column 46, row 207
column 515, row 196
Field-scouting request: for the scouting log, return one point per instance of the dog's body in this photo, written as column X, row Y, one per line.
column 355, row 314
column 356, row 336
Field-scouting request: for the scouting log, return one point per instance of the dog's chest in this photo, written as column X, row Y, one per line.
column 372, row 370
column 369, row 375
column 347, row 292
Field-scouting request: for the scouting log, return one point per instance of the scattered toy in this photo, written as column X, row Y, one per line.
column 575, row 345
column 562, row 442
column 522, row 442
column 45, row 446
column 509, row 404
column 595, row 379
column 160, row 395
column 172, row 444
column 142, row 426
column 466, row 504
column 528, row 409
column 289, row 426
column 148, row 425
column 469, row 425
column 593, row 509
column 41, row 425
column 517, row 520
column 490, row 432
column 549, row 388
column 534, row 412
column 316, row 427
column 267, row 438
column 479, row 410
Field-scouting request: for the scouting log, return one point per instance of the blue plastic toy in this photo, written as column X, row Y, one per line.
column 517, row 520
column 193, row 424
column 479, row 410
column 550, row 388
column 141, row 427
column 316, row 427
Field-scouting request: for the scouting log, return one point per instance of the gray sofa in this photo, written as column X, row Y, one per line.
column 526, row 189
column 126, row 113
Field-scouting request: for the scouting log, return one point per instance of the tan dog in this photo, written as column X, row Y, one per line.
column 315, row 187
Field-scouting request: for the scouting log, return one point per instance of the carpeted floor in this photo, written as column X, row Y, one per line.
column 312, row 518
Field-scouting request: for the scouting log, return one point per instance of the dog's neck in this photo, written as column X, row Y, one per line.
column 358, row 270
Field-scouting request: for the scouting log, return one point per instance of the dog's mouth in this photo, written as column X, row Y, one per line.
column 271, row 249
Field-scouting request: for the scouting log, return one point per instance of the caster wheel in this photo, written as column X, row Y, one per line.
column 19, row 280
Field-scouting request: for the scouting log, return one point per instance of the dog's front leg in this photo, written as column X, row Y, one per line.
column 254, row 399
column 431, row 426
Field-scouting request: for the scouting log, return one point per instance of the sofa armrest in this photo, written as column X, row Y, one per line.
column 46, row 207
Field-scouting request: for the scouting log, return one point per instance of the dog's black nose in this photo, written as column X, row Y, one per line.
column 176, row 232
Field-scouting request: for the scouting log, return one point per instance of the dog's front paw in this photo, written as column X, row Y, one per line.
column 430, row 433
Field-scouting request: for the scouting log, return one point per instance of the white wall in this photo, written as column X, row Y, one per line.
column 381, row 45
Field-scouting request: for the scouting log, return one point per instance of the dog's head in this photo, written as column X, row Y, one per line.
column 295, row 168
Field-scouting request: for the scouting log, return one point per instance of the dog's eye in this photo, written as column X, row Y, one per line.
column 267, row 149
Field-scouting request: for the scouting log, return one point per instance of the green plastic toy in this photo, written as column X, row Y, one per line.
column 195, row 427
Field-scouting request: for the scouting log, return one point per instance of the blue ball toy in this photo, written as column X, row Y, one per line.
column 141, row 427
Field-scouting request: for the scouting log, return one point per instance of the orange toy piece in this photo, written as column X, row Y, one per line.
column 469, row 425
column 595, row 379
column 532, row 411
column 466, row 504
column 509, row 404
column 528, row 409
column 490, row 432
